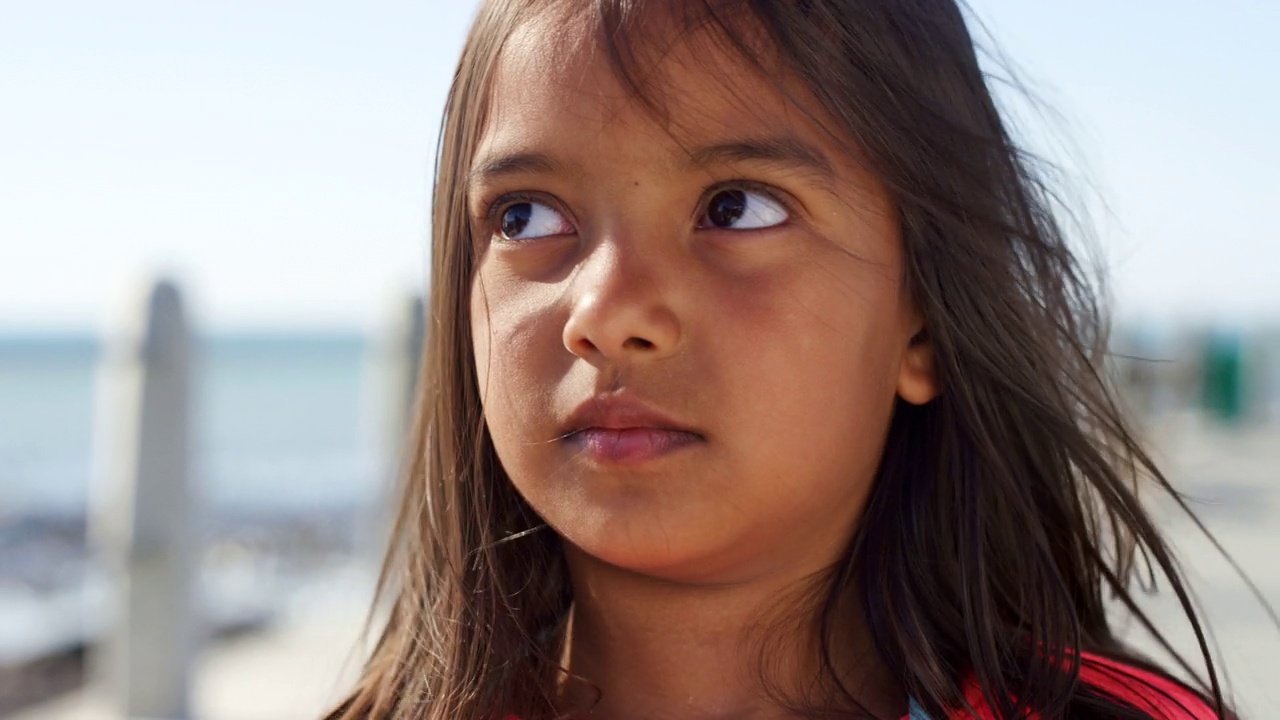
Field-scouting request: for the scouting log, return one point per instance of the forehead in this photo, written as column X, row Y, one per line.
column 554, row 85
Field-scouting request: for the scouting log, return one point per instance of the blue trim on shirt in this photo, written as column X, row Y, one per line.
column 917, row 712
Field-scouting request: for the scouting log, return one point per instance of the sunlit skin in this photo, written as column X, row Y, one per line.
column 769, row 327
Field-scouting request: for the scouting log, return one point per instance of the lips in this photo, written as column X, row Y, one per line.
column 614, row 430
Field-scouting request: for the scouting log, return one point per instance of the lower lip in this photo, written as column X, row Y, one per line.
column 631, row 446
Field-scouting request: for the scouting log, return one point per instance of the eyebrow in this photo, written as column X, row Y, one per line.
column 513, row 164
column 780, row 150
column 785, row 150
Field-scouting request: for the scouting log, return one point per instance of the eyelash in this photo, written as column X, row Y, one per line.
column 500, row 204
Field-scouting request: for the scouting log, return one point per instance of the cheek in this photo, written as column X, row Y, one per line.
column 814, row 362
column 517, row 354
column 843, row 314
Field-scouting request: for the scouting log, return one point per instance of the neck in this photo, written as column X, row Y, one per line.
column 649, row 648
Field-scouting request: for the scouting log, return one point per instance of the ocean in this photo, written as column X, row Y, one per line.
column 279, row 422
column 285, row 456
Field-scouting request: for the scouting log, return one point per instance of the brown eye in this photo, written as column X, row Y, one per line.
column 516, row 219
column 726, row 207
column 742, row 210
column 528, row 220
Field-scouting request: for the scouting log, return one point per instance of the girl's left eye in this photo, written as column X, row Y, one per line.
column 737, row 209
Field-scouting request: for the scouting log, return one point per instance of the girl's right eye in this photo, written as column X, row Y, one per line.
column 529, row 220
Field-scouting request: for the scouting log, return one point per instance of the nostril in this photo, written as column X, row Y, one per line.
column 637, row 343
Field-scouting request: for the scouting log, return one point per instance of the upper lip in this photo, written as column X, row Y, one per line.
column 619, row 413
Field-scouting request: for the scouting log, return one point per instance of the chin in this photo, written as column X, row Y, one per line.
column 678, row 557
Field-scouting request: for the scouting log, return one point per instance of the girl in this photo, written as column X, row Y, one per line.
column 761, row 382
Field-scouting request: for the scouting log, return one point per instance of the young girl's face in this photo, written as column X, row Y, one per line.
column 689, row 331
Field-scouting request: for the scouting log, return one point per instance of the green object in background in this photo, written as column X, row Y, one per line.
column 1224, row 377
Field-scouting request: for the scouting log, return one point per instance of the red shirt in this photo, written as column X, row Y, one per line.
column 1161, row 698
column 1153, row 694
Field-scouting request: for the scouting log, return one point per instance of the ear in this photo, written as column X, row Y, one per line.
column 918, row 374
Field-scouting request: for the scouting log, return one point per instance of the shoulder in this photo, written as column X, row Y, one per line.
column 1162, row 697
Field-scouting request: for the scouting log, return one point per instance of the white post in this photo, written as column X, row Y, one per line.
column 143, row 511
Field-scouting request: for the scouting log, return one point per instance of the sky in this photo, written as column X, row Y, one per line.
column 275, row 156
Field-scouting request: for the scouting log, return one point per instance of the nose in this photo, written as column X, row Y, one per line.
column 619, row 313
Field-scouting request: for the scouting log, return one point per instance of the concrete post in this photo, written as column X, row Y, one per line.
column 142, row 514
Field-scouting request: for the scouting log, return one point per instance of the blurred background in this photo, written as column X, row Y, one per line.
column 271, row 163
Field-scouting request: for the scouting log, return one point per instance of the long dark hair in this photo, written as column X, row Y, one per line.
column 1003, row 510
